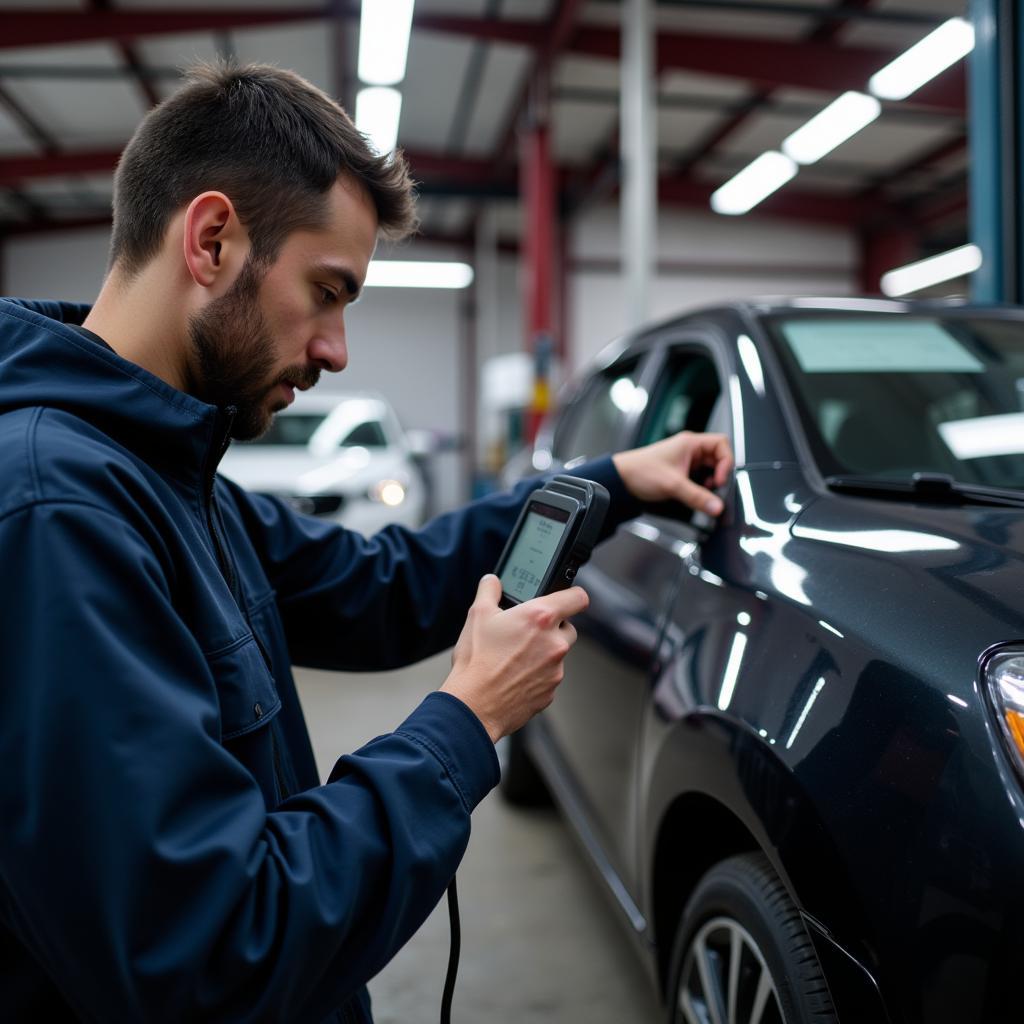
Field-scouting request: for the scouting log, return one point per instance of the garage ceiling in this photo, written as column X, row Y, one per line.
column 734, row 78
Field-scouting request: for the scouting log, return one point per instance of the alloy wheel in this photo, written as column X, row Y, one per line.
column 725, row 979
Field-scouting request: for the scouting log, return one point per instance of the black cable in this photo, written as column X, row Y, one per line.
column 453, row 955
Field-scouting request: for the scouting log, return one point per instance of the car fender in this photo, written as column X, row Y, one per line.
column 716, row 788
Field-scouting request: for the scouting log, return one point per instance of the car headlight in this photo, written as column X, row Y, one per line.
column 387, row 492
column 1004, row 675
column 316, row 504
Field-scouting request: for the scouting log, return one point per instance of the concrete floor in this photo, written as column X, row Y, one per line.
column 539, row 940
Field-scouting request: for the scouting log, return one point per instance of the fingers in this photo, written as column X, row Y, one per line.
column 714, row 450
column 563, row 604
column 568, row 631
column 698, row 498
column 488, row 591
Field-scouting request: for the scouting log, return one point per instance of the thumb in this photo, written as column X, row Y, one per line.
column 488, row 592
column 698, row 498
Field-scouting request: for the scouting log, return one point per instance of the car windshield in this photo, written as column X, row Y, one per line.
column 345, row 426
column 888, row 395
column 291, row 428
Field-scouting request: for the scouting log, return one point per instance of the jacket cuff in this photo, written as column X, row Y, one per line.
column 446, row 727
column 622, row 506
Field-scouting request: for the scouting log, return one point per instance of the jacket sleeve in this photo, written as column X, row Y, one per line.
column 138, row 862
column 356, row 603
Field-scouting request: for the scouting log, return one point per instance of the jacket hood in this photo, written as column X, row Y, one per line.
column 43, row 362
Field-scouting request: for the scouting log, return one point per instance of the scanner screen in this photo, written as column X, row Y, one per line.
column 533, row 551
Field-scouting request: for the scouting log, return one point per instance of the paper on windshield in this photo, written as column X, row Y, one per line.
column 887, row 345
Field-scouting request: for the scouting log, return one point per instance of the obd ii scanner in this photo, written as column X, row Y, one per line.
column 554, row 535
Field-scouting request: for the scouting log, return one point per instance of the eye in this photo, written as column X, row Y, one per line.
column 327, row 297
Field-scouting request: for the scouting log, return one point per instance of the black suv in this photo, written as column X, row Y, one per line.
column 792, row 741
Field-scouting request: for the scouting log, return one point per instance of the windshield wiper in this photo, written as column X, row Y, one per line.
column 940, row 488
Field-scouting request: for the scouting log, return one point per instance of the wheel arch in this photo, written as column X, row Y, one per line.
column 740, row 798
column 679, row 862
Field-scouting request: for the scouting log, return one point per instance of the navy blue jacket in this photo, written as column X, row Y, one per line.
column 166, row 849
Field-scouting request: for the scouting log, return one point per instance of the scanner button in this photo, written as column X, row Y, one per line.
column 570, row 573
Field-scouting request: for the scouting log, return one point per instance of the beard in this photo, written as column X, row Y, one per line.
column 233, row 357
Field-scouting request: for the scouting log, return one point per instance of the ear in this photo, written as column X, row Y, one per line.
column 216, row 245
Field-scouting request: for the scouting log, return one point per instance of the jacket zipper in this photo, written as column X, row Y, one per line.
column 213, row 459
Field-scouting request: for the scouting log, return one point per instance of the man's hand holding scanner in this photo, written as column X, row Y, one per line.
column 664, row 471
column 507, row 663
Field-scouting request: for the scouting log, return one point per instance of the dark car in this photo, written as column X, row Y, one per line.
column 792, row 741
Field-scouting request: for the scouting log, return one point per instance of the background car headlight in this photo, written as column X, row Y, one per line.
column 388, row 492
column 1004, row 676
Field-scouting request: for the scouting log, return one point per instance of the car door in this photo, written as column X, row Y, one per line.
column 631, row 578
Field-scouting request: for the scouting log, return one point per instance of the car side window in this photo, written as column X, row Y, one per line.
column 367, row 435
column 592, row 424
column 686, row 395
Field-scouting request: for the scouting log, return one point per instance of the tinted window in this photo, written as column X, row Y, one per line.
column 684, row 397
column 366, row 435
column 890, row 395
column 291, row 429
column 594, row 420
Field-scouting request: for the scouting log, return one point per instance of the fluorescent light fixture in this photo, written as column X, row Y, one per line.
column 757, row 181
column 418, row 274
column 384, row 40
column 945, row 267
column 839, row 121
column 950, row 42
column 377, row 113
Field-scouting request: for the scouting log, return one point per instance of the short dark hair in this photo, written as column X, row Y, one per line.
column 265, row 137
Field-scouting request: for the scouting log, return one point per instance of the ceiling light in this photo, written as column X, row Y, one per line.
column 757, row 181
column 377, row 113
column 945, row 267
column 384, row 40
column 941, row 49
column 840, row 120
column 417, row 274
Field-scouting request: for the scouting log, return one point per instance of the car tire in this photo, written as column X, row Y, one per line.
column 742, row 953
column 521, row 783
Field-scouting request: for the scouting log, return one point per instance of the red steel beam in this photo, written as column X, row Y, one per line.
column 789, row 202
column 58, row 25
column 777, row 63
column 792, row 204
column 769, row 62
column 16, row 169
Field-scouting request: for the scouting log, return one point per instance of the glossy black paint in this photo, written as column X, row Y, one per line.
column 804, row 678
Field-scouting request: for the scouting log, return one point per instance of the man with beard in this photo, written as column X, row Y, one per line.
column 167, row 850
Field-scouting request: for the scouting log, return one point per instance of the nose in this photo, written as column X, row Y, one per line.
column 329, row 350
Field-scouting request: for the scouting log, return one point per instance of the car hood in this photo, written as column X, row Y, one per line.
column 961, row 563
column 292, row 470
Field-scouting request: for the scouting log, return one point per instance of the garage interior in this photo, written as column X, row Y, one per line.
column 574, row 155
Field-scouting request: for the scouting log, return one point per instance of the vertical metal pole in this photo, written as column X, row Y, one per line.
column 637, row 156
column 538, row 188
column 996, row 125
column 486, row 284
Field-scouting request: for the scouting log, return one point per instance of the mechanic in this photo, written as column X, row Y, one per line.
column 167, row 851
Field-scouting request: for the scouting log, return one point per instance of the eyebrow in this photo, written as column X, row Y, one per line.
column 342, row 274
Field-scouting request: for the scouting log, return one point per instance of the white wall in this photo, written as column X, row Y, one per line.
column 705, row 259
column 67, row 266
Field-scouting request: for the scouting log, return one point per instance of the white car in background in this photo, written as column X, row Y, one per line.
column 344, row 457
